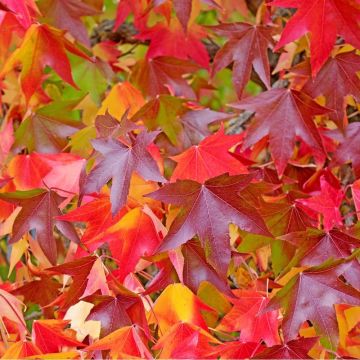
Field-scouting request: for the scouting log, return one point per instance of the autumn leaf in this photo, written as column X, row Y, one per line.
column 123, row 343
column 336, row 79
column 50, row 336
column 36, row 43
column 202, row 205
column 327, row 203
column 98, row 218
column 236, row 350
column 245, row 317
column 79, row 269
column 348, row 151
column 38, row 211
column 184, row 307
column 66, row 15
column 339, row 17
column 193, row 163
column 185, row 340
column 277, row 109
column 45, row 134
column 164, row 75
column 125, row 309
column 11, row 308
column 196, row 269
column 132, row 237
column 25, row 10
column 305, row 297
column 163, row 112
column 246, row 48
column 178, row 44
column 128, row 159
column 294, row 349
column 21, row 350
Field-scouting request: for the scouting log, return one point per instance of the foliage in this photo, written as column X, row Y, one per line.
column 179, row 179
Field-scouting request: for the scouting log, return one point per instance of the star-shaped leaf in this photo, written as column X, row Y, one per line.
column 327, row 203
column 45, row 134
column 118, row 163
column 39, row 209
column 47, row 46
column 338, row 17
column 337, row 79
column 246, row 48
column 50, row 335
column 208, row 209
column 115, row 312
column 280, row 109
column 294, row 349
column 66, row 15
column 79, row 270
column 349, row 149
column 244, row 317
column 164, row 75
column 311, row 295
column 194, row 163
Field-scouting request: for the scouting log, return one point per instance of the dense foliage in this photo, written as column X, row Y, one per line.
column 179, row 179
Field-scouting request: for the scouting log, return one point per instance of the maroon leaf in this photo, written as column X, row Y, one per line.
column 246, row 48
column 38, row 211
column 335, row 81
column 280, row 109
column 208, row 209
column 118, row 163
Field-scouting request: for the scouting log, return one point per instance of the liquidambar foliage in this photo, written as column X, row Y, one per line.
column 179, row 179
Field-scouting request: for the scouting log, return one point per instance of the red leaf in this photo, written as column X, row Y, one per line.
column 294, row 349
column 327, row 203
column 245, row 317
column 50, row 336
column 170, row 40
column 203, row 204
column 311, row 295
column 118, row 163
column 280, row 109
column 38, row 211
column 194, row 163
column 164, row 75
column 335, row 81
column 79, row 270
column 132, row 237
column 349, row 149
column 338, row 17
column 36, row 42
column 66, row 15
column 246, row 48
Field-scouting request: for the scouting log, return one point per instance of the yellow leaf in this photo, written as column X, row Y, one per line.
column 122, row 96
column 17, row 251
column 178, row 303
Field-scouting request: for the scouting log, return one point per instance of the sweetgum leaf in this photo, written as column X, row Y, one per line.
column 118, row 163
column 294, row 349
column 38, row 211
column 311, row 295
column 337, row 79
column 246, row 48
column 193, row 164
column 338, row 17
column 280, row 109
column 207, row 211
column 36, row 42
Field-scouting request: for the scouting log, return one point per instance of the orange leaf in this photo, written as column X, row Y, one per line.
column 123, row 344
column 177, row 303
column 42, row 46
